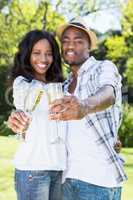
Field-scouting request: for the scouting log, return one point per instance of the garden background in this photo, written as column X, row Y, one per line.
column 17, row 17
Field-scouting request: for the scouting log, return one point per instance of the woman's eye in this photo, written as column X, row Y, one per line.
column 49, row 54
column 36, row 53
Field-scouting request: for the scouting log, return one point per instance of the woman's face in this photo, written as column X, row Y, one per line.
column 41, row 58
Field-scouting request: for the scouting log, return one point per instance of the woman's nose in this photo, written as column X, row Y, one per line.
column 43, row 58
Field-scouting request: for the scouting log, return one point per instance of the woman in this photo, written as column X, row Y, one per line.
column 38, row 163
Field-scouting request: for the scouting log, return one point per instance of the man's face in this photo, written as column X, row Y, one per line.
column 75, row 46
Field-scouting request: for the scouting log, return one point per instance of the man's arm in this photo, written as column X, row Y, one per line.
column 71, row 108
column 100, row 101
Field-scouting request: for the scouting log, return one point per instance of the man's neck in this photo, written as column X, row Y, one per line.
column 72, row 86
column 75, row 68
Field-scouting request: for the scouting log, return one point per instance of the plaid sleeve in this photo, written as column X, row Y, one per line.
column 110, row 76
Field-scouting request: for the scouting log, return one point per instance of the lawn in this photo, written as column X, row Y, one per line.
column 7, row 149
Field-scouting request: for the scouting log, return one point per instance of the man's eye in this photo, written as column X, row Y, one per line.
column 79, row 41
column 64, row 41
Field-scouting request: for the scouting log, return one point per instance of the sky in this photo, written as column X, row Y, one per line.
column 102, row 21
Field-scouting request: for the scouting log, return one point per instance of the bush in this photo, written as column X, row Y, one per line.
column 4, row 130
column 5, row 107
column 126, row 129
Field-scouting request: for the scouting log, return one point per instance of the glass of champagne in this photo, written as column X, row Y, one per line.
column 55, row 91
column 32, row 98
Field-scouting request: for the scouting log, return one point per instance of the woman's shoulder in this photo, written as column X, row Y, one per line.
column 20, row 81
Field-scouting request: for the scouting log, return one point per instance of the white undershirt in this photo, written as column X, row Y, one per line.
column 86, row 160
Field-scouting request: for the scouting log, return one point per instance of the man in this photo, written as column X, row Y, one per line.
column 92, row 108
column 95, row 171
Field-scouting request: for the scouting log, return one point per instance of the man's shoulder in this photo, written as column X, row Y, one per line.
column 103, row 65
column 95, row 63
column 105, row 62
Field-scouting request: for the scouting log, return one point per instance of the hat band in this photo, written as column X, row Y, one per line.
column 78, row 24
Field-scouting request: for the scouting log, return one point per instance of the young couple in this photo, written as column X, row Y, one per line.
column 92, row 110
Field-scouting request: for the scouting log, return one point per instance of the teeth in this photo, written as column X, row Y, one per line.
column 70, row 53
column 41, row 65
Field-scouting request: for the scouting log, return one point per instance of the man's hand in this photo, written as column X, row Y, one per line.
column 118, row 146
column 67, row 108
column 18, row 121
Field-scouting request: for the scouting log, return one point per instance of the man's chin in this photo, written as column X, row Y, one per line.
column 73, row 63
column 70, row 62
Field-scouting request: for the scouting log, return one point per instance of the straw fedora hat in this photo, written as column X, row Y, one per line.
column 80, row 24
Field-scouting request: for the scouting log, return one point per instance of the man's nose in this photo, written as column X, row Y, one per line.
column 71, row 45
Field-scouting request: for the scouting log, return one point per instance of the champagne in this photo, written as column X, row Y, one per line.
column 31, row 101
column 54, row 91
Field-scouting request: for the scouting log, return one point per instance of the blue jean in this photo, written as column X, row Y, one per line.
column 78, row 190
column 38, row 185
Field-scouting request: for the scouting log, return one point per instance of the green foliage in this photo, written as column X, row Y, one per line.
column 4, row 130
column 126, row 129
column 17, row 18
column 127, row 20
column 5, row 101
column 116, row 48
column 23, row 16
column 3, row 3
column 4, row 97
column 120, row 48
column 129, row 71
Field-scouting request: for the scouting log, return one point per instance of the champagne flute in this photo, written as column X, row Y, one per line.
column 32, row 99
column 55, row 91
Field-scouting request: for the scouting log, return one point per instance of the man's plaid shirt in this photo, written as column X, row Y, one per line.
column 92, row 76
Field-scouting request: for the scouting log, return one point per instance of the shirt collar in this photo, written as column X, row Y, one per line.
column 87, row 65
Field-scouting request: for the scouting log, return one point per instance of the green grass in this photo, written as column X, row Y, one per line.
column 7, row 148
column 128, row 186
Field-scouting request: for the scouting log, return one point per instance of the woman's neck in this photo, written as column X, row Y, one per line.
column 41, row 78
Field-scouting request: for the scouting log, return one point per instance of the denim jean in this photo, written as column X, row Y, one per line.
column 38, row 185
column 78, row 190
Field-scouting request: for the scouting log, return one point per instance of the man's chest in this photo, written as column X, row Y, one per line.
column 85, row 85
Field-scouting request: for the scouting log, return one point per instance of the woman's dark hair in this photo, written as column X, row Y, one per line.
column 22, row 64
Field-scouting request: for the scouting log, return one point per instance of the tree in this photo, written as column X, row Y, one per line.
column 17, row 18
column 83, row 8
column 21, row 17
column 120, row 48
column 3, row 3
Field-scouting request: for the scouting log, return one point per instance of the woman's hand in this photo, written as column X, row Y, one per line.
column 18, row 121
